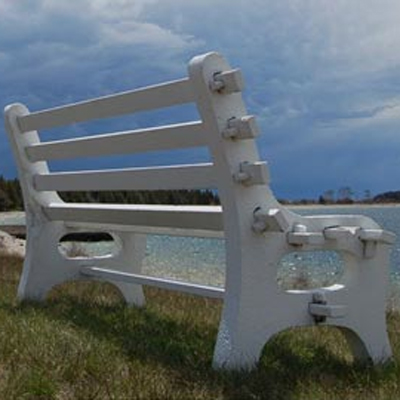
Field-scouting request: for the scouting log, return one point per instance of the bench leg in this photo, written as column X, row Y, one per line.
column 242, row 337
column 365, row 327
column 130, row 260
column 44, row 266
column 240, row 348
column 372, row 345
column 257, row 309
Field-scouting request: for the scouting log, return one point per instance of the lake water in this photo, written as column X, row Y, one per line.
column 203, row 260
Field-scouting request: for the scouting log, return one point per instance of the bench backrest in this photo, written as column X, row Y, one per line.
column 225, row 129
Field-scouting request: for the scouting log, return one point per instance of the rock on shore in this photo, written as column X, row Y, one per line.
column 10, row 244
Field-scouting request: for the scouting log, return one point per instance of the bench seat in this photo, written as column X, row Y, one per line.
column 146, row 218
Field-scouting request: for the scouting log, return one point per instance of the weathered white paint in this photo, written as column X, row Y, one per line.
column 241, row 128
column 258, row 230
column 198, row 176
column 150, row 98
column 170, row 137
column 168, row 284
column 205, row 218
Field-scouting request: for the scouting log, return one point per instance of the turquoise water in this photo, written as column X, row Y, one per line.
column 202, row 260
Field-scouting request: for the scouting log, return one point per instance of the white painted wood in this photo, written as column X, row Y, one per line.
column 305, row 238
column 149, row 98
column 168, row 284
column 254, row 308
column 77, row 226
column 205, row 218
column 227, row 82
column 324, row 310
column 255, row 173
column 170, row 137
column 199, row 176
column 377, row 235
column 241, row 128
column 270, row 220
column 258, row 231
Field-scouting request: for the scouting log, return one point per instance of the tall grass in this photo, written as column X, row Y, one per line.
column 84, row 343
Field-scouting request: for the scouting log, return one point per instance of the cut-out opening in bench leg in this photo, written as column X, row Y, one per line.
column 255, row 314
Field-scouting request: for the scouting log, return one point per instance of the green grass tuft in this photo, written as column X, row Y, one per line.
column 84, row 343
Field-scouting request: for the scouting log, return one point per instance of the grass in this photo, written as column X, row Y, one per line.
column 84, row 343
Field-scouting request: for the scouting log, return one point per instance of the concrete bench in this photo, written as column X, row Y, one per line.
column 258, row 230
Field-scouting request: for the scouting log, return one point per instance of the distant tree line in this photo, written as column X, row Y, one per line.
column 11, row 196
column 345, row 195
column 388, row 197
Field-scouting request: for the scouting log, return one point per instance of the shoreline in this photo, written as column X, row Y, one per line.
column 12, row 222
column 339, row 206
column 16, row 214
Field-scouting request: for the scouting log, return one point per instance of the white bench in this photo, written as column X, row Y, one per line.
column 257, row 229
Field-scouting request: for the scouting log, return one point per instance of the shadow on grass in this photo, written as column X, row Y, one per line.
column 174, row 331
column 289, row 360
column 141, row 334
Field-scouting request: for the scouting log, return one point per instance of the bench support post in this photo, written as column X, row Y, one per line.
column 259, row 309
column 255, row 308
column 44, row 265
column 129, row 259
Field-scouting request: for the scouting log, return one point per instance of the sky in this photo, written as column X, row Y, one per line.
column 322, row 76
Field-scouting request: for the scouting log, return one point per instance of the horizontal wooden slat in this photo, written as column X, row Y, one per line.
column 191, row 288
column 202, row 218
column 159, row 138
column 75, row 226
column 151, row 97
column 197, row 176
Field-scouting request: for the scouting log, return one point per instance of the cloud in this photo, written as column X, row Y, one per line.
column 43, row 36
column 322, row 76
column 58, row 52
